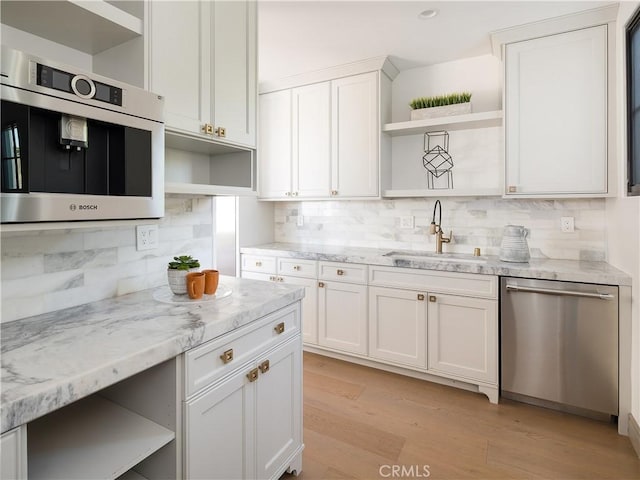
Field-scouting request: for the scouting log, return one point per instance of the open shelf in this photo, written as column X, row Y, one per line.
column 203, row 189
column 453, row 122
column 489, row 192
column 91, row 438
column 89, row 27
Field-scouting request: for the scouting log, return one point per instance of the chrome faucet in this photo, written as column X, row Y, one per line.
column 436, row 229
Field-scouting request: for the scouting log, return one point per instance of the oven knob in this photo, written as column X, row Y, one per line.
column 83, row 86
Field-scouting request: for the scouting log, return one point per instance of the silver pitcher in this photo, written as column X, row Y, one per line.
column 514, row 246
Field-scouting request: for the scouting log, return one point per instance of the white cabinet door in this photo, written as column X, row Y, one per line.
column 398, row 326
column 556, row 114
column 274, row 164
column 463, row 337
column 342, row 316
column 219, row 430
column 234, row 87
column 355, row 136
column 311, row 136
column 278, row 408
column 309, row 307
column 13, row 451
column 180, row 62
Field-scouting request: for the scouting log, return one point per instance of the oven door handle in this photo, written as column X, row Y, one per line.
column 568, row 293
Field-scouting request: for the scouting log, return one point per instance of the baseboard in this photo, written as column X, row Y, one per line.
column 634, row 434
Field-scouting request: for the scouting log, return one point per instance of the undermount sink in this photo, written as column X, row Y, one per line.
column 444, row 257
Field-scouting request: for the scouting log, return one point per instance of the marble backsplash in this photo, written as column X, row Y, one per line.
column 47, row 270
column 475, row 222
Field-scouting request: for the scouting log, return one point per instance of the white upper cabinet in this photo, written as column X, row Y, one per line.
column 355, row 136
column 311, row 139
column 274, row 154
column 203, row 60
column 556, row 114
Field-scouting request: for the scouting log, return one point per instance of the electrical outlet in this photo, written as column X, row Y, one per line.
column 146, row 237
column 407, row 221
column 567, row 224
column 300, row 221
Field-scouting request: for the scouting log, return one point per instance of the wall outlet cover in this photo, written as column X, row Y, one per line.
column 408, row 221
column 567, row 224
column 300, row 221
column 146, row 237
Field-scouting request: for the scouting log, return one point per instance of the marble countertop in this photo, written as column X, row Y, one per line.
column 545, row 269
column 51, row 360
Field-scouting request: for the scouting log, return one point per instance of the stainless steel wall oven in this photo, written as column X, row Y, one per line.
column 77, row 146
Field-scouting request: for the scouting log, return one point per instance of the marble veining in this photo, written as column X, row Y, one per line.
column 53, row 359
column 539, row 268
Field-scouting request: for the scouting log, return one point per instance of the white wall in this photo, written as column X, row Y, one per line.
column 623, row 213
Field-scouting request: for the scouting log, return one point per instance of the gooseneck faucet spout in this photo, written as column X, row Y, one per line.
column 436, row 228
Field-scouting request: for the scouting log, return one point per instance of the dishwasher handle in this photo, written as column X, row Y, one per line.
column 568, row 293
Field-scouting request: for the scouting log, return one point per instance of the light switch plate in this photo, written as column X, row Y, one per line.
column 146, row 237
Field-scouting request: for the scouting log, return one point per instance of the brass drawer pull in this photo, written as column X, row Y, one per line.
column 227, row 356
column 258, row 264
column 420, row 296
column 321, row 284
column 432, row 298
column 279, row 328
column 221, row 132
column 334, row 192
column 340, row 272
column 264, row 366
column 207, row 128
column 272, row 278
column 253, row 375
column 296, row 268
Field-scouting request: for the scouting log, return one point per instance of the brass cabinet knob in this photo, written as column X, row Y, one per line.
column 258, row 264
column 253, row 375
column 340, row 272
column 295, row 194
column 512, row 189
column 273, row 278
column 420, row 296
column 264, row 366
column 432, row 298
column 227, row 356
column 279, row 328
column 296, row 268
column 288, row 194
column 334, row 192
column 207, row 128
column 221, row 132
column 280, row 279
column 321, row 284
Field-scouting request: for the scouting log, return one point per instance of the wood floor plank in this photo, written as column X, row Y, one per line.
column 358, row 420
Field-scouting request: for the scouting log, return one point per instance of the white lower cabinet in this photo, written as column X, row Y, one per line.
column 13, row 451
column 463, row 337
column 342, row 316
column 248, row 423
column 309, row 307
column 398, row 326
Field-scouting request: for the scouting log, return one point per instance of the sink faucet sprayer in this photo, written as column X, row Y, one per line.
column 436, row 229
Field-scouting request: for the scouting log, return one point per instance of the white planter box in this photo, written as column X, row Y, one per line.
column 444, row 111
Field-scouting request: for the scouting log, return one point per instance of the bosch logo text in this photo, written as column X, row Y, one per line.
column 74, row 207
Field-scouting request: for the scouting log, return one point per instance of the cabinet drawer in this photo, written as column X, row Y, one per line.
column 343, row 272
column 259, row 263
column 448, row 282
column 297, row 268
column 209, row 362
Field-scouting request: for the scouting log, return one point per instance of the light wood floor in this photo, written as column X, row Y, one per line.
column 358, row 420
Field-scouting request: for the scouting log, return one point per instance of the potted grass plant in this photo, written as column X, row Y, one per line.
column 177, row 271
column 440, row 105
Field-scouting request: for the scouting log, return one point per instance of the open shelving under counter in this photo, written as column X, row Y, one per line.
column 453, row 122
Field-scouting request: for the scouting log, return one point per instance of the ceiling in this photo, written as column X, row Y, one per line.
column 305, row 35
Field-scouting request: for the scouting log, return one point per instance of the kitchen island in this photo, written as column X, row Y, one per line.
column 129, row 349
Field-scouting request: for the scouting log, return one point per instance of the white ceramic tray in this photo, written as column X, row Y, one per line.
column 165, row 295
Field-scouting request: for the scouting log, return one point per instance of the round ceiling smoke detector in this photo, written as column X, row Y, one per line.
column 429, row 13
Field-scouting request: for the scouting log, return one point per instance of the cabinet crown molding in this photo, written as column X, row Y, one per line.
column 382, row 64
column 551, row 26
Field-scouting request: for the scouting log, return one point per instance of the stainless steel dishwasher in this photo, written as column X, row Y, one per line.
column 559, row 345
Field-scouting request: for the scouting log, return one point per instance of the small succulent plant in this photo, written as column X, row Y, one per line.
column 440, row 100
column 184, row 262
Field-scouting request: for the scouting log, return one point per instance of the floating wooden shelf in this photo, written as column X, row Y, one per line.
column 91, row 438
column 89, row 27
column 454, row 122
